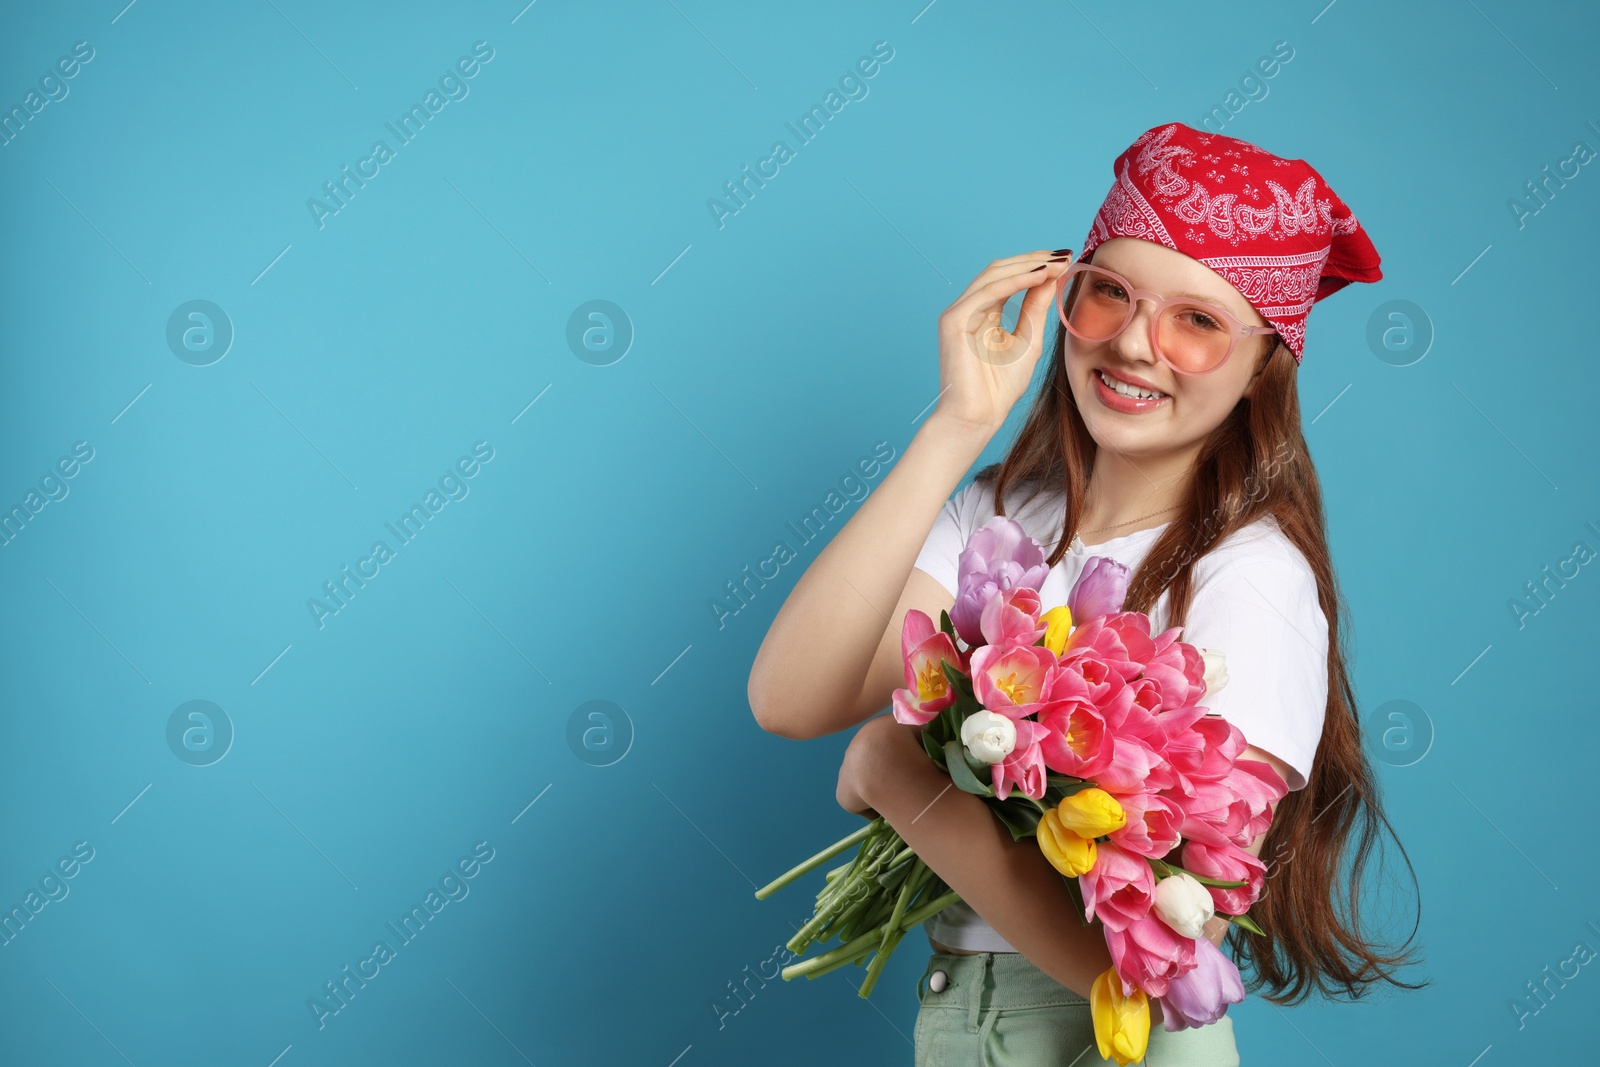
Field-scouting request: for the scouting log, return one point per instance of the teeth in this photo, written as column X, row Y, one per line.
column 1132, row 391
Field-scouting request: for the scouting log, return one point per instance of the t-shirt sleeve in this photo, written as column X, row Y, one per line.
column 1258, row 606
column 941, row 552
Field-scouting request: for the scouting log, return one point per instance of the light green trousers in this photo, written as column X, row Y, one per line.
column 999, row 1010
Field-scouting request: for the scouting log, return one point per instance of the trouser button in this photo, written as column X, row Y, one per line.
column 938, row 981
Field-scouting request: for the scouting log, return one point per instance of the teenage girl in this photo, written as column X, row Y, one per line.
column 1166, row 435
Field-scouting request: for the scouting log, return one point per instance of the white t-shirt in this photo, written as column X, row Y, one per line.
column 1255, row 600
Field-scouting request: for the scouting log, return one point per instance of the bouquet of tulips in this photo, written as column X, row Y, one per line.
column 1082, row 730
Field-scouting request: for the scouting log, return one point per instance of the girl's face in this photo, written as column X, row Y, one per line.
column 1193, row 404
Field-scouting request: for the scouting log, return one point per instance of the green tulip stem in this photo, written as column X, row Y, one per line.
column 843, row 899
column 900, row 857
column 1165, row 869
column 849, row 952
column 852, row 872
column 820, row 858
column 879, row 958
column 908, row 889
column 868, row 863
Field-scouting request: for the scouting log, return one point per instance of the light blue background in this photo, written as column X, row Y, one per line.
column 770, row 355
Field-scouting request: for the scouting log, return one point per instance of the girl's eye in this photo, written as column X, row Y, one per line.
column 1200, row 320
column 1110, row 290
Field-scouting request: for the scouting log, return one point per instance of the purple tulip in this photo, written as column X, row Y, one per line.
column 1099, row 590
column 999, row 557
column 1199, row 997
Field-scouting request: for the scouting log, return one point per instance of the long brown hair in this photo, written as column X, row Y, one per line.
column 1254, row 464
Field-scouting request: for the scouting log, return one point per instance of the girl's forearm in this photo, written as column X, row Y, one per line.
column 808, row 674
column 1009, row 883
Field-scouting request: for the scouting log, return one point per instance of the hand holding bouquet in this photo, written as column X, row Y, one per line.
column 1082, row 730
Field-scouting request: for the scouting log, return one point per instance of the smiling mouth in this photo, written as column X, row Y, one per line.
column 1132, row 392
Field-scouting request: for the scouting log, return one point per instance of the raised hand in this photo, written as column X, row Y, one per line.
column 983, row 369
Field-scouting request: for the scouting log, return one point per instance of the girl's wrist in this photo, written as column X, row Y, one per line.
column 951, row 432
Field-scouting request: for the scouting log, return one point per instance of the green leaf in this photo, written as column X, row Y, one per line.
column 958, row 681
column 1021, row 819
column 955, row 761
column 891, row 878
column 949, row 724
column 1076, row 892
column 934, row 748
column 946, row 625
column 1246, row 922
column 1060, row 786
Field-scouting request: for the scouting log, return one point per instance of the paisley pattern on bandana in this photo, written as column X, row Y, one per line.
column 1281, row 236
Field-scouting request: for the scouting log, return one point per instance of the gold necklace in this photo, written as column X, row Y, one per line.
column 1129, row 522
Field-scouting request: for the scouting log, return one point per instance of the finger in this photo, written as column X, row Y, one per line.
column 1006, row 267
column 987, row 336
column 988, row 299
column 1030, row 257
column 1026, row 334
column 1040, row 303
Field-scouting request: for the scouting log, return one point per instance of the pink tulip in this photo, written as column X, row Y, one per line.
column 1025, row 766
column 1119, row 888
column 1259, row 786
column 1101, row 588
column 1149, row 954
column 1201, row 996
column 927, row 692
column 1076, row 740
column 1176, row 728
column 1226, row 862
column 1214, row 813
column 999, row 556
column 1178, row 668
column 1082, row 674
column 1010, row 680
column 1140, row 717
column 1084, row 678
column 1121, row 640
column 1011, row 618
column 1066, row 681
column 1152, row 826
column 1220, row 743
column 1135, row 767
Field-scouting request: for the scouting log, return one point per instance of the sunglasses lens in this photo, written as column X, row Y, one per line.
column 1191, row 336
column 1100, row 307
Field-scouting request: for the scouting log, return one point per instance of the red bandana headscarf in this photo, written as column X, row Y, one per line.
column 1271, row 226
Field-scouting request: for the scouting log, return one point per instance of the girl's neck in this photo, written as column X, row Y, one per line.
column 1122, row 488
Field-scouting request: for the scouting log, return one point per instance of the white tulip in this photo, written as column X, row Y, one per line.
column 1216, row 669
column 989, row 736
column 1184, row 904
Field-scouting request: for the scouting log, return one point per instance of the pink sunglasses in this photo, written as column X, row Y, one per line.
column 1190, row 336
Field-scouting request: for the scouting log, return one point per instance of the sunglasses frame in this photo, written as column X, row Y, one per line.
column 1235, row 328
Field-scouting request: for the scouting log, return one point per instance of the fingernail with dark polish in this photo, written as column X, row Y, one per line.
column 1061, row 251
column 1039, row 267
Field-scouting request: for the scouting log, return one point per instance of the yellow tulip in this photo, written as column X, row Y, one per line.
column 1121, row 1023
column 1058, row 622
column 1091, row 813
column 1071, row 854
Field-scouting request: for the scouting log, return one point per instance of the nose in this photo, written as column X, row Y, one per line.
column 1133, row 343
